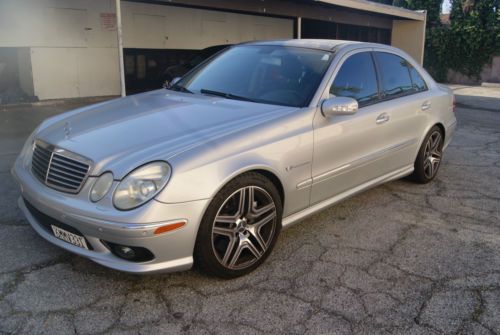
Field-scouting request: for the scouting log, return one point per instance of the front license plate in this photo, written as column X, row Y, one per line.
column 66, row 236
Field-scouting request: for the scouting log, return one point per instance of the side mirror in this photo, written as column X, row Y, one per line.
column 171, row 83
column 339, row 106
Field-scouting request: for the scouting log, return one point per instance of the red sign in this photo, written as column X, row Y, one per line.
column 108, row 21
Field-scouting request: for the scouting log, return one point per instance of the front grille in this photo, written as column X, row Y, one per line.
column 59, row 168
column 46, row 222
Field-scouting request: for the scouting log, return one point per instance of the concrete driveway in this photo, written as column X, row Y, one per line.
column 400, row 258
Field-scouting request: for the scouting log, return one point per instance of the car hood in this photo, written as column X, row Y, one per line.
column 121, row 134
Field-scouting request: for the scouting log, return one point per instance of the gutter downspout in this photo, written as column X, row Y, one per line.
column 119, row 36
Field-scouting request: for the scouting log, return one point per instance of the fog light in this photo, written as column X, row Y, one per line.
column 125, row 252
column 129, row 253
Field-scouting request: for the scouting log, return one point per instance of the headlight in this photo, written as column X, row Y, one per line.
column 141, row 185
column 101, row 187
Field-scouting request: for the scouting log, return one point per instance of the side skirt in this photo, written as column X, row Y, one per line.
column 296, row 217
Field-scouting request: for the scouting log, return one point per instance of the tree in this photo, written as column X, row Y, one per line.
column 475, row 34
column 467, row 44
column 433, row 8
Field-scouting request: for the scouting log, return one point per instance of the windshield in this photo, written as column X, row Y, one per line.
column 266, row 74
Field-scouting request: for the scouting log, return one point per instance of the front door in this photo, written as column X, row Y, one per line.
column 348, row 148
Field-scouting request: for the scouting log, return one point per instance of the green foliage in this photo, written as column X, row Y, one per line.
column 474, row 29
column 467, row 44
column 497, row 25
column 433, row 8
column 437, row 52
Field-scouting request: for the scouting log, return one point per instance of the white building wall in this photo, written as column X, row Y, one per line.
column 74, row 51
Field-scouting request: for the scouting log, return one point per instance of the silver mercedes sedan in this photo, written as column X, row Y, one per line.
column 209, row 170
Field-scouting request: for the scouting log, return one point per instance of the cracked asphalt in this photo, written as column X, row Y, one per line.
column 398, row 259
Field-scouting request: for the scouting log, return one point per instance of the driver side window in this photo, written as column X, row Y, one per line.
column 357, row 79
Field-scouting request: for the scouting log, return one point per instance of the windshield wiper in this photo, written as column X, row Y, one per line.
column 226, row 95
column 180, row 89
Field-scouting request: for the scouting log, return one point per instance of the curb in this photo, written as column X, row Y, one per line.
column 495, row 85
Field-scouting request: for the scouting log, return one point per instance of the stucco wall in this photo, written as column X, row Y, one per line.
column 410, row 37
column 490, row 74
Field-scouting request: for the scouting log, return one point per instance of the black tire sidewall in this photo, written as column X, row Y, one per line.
column 419, row 173
column 205, row 259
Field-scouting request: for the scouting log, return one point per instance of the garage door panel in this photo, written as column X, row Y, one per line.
column 148, row 30
column 55, row 74
column 74, row 72
column 168, row 27
column 215, row 32
column 101, row 78
column 68, row 24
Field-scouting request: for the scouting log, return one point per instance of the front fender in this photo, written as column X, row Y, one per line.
column 283, row 148
column 205, row 181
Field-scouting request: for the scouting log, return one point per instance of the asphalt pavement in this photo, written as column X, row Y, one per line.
column 398, row 259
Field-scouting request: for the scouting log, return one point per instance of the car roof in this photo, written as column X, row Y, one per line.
column 319, row 44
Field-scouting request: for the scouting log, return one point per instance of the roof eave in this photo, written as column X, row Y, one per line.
column 379, row 8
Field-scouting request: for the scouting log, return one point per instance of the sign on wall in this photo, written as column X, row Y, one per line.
column 108, row 21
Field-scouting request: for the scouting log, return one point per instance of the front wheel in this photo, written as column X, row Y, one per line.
column 429, row 156
column 240, row 227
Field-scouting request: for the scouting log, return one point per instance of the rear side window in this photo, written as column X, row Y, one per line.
column 357, row 79
column 418, row 82
column 395, row 75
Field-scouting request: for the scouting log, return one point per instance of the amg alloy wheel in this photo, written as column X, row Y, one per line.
column 243, row 227
column 429, row 156
column 242, row 223
column 433, row 154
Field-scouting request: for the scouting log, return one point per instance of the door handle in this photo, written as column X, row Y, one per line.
column 382, row 118
column 426, row 105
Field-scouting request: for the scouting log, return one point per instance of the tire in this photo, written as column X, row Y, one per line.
column 429, row 157
column 235, row 237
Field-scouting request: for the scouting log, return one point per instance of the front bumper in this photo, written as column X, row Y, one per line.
column 173, row 251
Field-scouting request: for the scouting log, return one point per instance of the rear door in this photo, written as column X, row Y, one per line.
column 404, row 100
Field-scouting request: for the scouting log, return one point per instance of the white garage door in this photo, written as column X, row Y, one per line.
column 75, row 72
column 168, row 27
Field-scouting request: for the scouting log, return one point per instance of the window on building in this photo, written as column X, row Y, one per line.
column 357, row 79
column 395, row 75
column 332, row 30
column 318, row 29
column 349, row 32
column 384, row 36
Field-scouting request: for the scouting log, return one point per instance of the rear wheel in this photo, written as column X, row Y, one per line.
column 429, row 156
column 240, row 227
